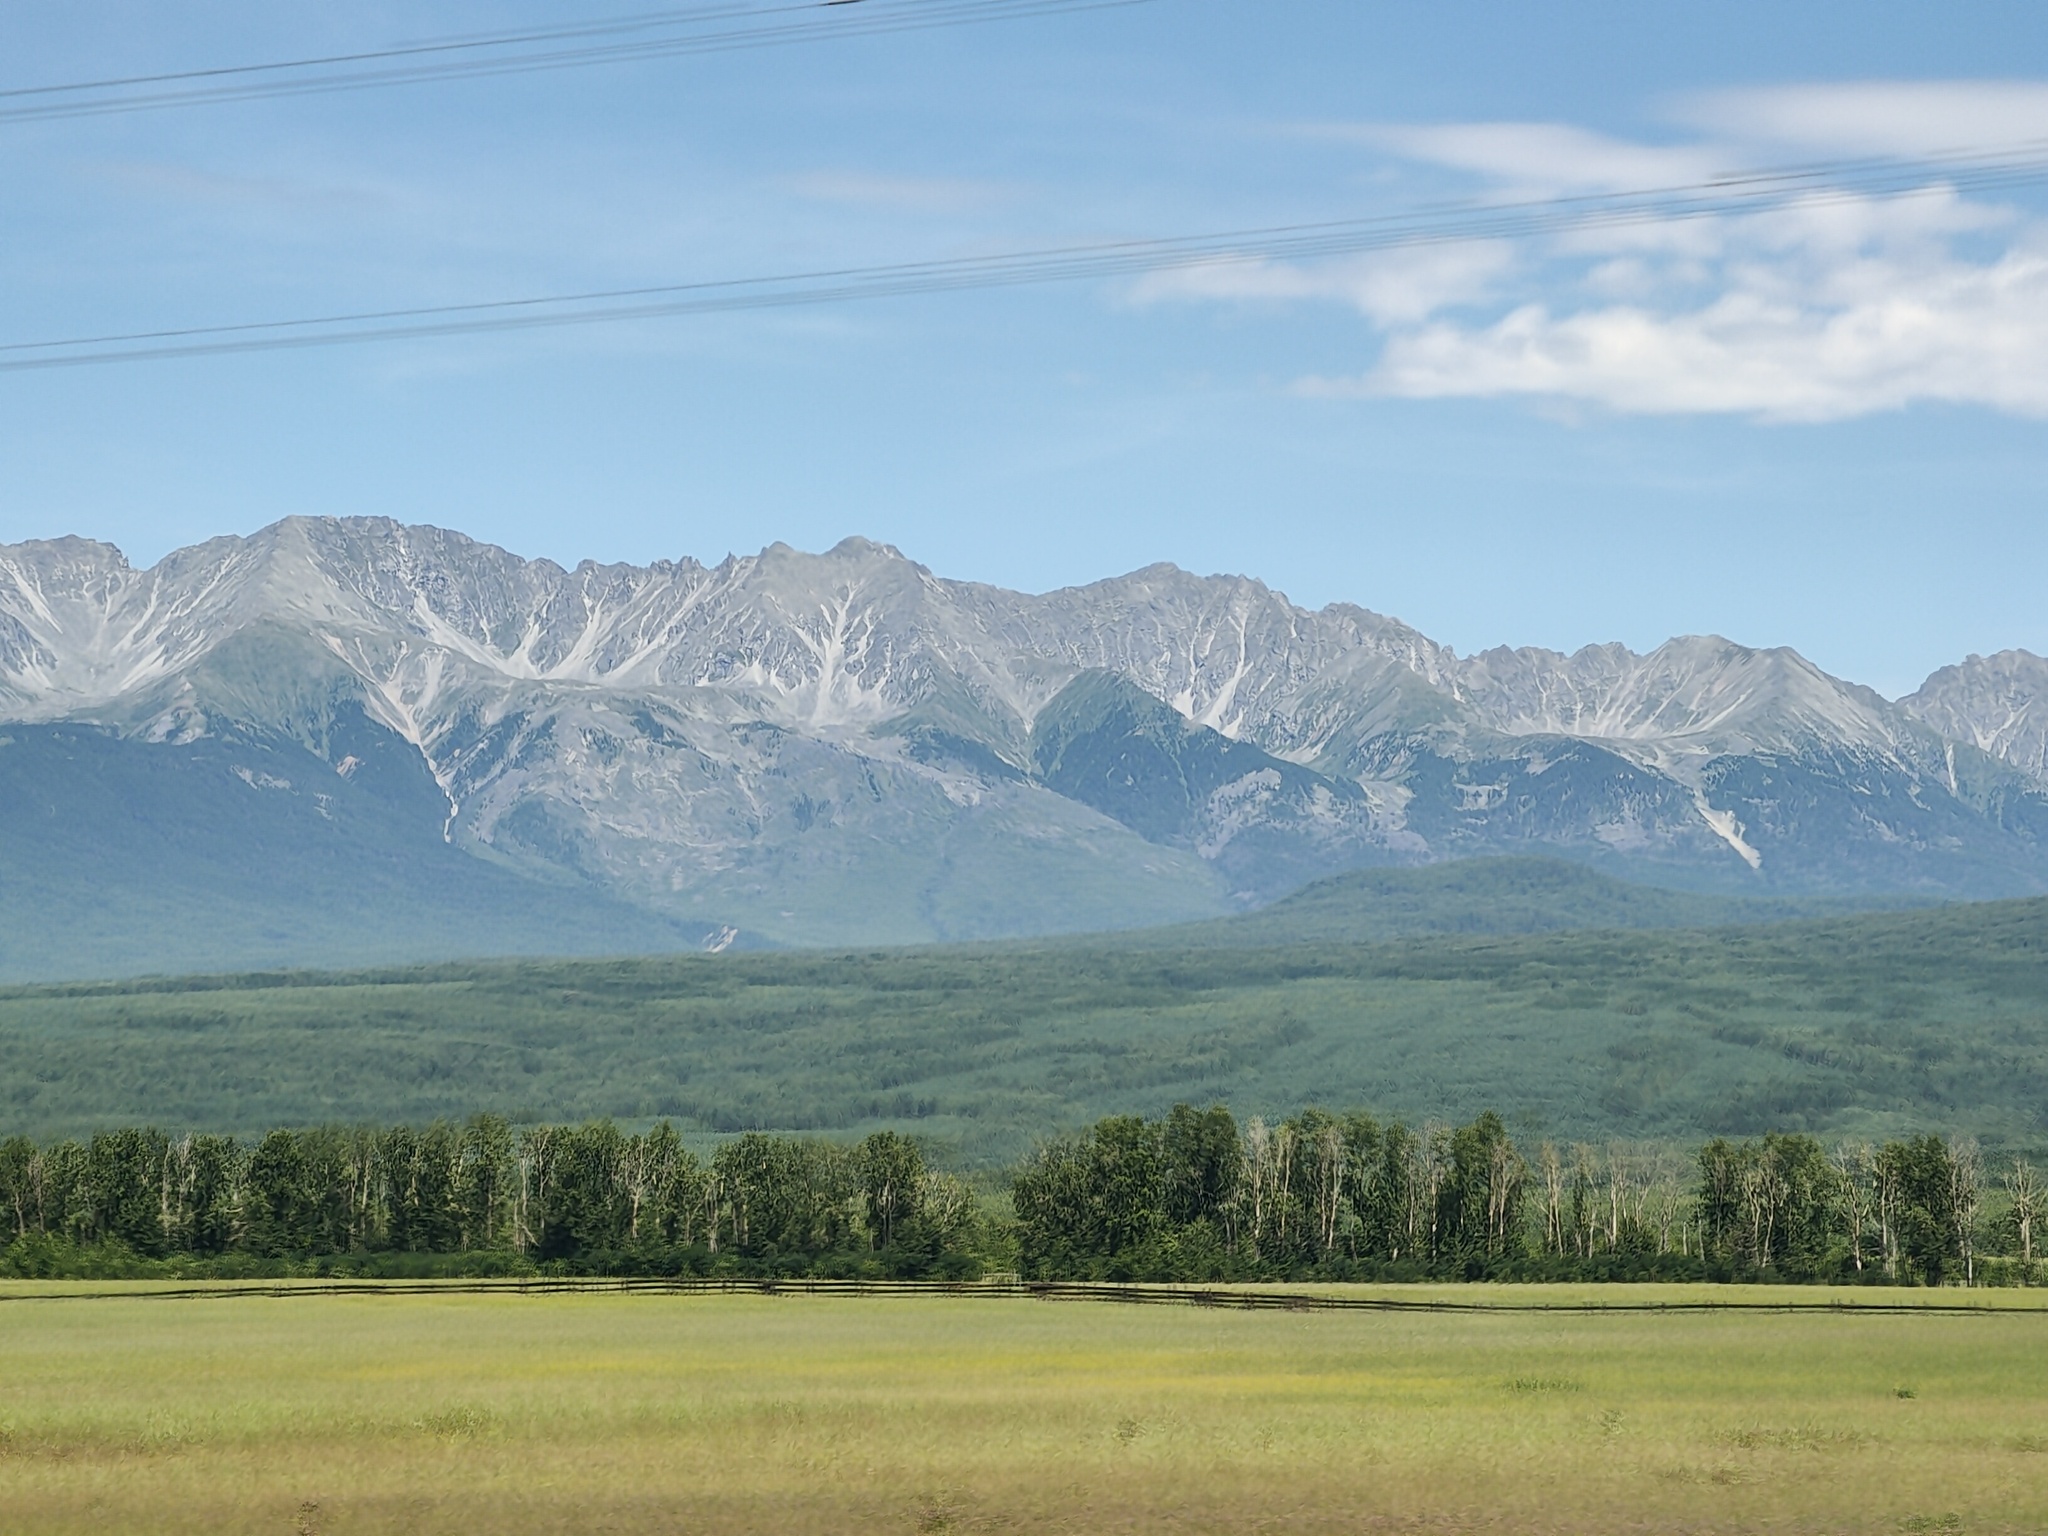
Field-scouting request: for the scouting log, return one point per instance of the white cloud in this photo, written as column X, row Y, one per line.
column 1390, row 287
column 1877, row 117
column 1535, row 158
column 1818, row 307
column 1965, row 334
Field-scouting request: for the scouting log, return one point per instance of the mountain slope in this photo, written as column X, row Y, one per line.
column 1998, row 704
column 1266, row 824
column 847, row 748
column 118, row 856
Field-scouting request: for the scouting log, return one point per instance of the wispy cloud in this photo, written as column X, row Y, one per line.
column 1875, row 117
column 1392, row 288
column 1537, row 158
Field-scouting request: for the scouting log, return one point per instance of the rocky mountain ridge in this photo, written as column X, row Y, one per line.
column 848, row 748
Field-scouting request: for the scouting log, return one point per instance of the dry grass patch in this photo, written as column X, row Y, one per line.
column 711, row 1414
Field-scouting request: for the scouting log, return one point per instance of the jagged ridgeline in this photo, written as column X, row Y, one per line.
column 351, row 741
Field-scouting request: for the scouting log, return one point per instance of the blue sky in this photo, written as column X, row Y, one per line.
column 1819, row 426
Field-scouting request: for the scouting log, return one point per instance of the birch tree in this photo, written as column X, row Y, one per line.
column 1550, row 1167
column 1858, row 1196
column 1966, row 1199
column 892, row 1174
column 2024, row 1189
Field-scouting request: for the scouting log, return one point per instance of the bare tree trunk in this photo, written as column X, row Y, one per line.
column 1585, row 1223
column 1283, row 1148
column 1436, row 1163
column 2025, row 1189
column 174, row 1191
column 1852, row 1166
column 1886, row 1175
column 1667, row 1202
column 39, row 1182
column 1617, row 1193
column 1966, row 1198
column 1553, row 1192
column 1330, row 1191
column 1760, row 1206
column 1258, row 1150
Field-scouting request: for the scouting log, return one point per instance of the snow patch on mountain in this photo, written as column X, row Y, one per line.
column 1729, row 830
column 1997, row 704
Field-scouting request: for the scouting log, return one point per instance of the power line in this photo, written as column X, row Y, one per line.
column 708, row 29
column 409, row 50
column 1747, row 193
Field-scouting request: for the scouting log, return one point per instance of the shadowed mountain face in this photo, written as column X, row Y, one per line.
column 119, row 856
column 845, row 748
column 1266, row 824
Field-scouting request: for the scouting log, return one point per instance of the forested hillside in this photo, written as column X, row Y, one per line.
column 1527, row 894
column 1878, row 1024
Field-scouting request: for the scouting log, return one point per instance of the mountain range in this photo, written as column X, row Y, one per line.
column 342, row 740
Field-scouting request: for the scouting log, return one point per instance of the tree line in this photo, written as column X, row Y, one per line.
column 482, row 1198
column 1195, row 1195
column 1321, row 1196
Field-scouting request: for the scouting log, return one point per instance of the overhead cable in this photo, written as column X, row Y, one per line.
column 624, row 39
column 1746, row 194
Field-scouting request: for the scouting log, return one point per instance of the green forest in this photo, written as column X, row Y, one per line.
column 1873, row 1026
column 1192, row 1196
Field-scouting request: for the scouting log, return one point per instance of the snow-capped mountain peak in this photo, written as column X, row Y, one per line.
column 679, row 731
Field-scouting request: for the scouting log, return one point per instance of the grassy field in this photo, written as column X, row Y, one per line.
column 784, row 1414
column 1871, row 1026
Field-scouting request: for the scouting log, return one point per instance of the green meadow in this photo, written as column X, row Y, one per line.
column 795, row 1413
